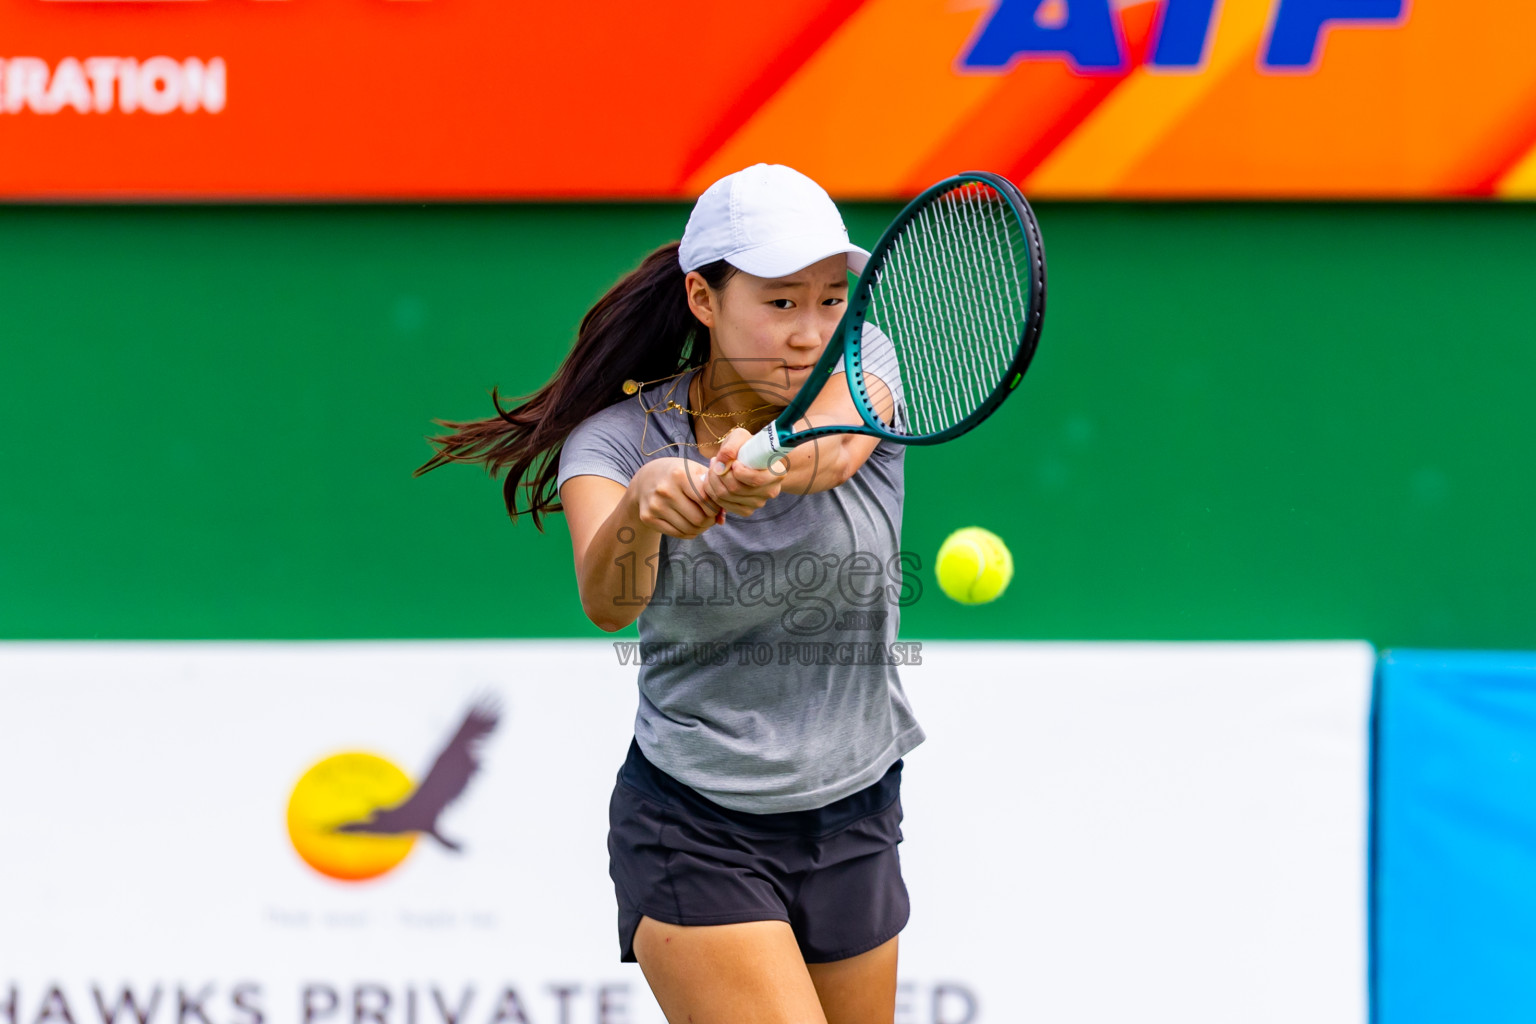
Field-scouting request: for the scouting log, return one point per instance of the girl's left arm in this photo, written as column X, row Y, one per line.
column 816, row 465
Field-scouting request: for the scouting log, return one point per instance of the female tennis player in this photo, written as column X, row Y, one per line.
column 754, row 822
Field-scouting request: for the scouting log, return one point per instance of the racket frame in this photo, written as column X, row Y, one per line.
column 846, row 344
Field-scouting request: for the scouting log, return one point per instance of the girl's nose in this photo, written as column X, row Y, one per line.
column 807, row 334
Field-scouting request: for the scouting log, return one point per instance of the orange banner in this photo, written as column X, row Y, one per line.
column 438, row 99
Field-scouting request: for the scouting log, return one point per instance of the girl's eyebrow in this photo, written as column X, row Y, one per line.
column 781, row 285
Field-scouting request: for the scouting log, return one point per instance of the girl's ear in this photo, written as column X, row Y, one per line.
column 701, row 298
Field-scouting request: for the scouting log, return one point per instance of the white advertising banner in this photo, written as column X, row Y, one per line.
column 1094, row 833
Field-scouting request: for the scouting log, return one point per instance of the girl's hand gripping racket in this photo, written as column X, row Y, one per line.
column 946, row 315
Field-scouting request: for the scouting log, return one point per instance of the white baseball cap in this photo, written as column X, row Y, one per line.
column 769, row 220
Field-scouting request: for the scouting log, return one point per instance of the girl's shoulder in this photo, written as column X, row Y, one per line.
column 618, row 439
column 646, row 415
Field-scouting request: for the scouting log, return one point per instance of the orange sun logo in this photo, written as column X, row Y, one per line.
column 356, row 816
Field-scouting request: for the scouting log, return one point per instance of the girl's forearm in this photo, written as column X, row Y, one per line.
column 618, row 569
column 815, row 466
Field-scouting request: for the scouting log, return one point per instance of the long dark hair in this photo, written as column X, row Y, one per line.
column 642, row 329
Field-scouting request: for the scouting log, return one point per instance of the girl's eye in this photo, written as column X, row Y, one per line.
column 783, row 303
column 833, row 302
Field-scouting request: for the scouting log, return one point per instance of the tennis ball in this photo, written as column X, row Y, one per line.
column 974, row 565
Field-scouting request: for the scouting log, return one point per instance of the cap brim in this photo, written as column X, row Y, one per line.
column 786, row 256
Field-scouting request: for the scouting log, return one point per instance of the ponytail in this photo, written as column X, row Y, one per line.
column 642, row 329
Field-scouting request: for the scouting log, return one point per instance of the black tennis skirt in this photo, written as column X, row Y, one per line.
column 831, row 873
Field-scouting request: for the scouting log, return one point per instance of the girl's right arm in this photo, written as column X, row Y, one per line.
column 616, row 533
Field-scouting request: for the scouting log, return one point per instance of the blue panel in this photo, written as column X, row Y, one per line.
column 1454, row 904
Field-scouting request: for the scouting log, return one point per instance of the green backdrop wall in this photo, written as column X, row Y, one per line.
column 1244, row 422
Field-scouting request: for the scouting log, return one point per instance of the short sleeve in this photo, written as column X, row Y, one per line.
column 878, row 356
column 604, row 444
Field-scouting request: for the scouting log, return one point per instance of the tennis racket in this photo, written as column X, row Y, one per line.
column 946, row 316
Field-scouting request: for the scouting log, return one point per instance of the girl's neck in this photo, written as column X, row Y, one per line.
column 733, row 401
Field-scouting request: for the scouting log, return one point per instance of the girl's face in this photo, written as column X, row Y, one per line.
column 772, row 330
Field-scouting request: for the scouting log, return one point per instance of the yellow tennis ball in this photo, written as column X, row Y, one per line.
column 974, row 565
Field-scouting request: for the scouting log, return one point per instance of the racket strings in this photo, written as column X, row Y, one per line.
column 952, row 297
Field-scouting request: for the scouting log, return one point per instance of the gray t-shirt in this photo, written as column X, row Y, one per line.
column 768, row 652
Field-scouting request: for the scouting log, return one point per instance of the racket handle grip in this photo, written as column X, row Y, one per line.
column 761, row 448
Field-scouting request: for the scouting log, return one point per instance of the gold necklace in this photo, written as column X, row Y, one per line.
column 632, row 387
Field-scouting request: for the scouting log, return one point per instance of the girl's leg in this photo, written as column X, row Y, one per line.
column 749, row 973
column 859, row 990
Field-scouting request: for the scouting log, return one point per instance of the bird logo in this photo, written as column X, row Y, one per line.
column 356, row 815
